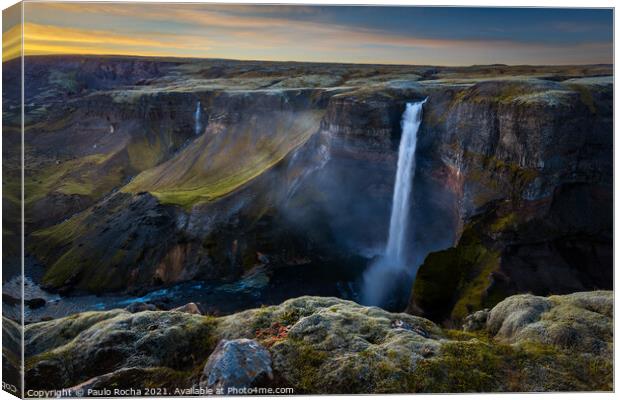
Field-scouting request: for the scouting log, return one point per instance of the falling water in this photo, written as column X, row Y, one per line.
column 380, row 278
column 404, row 181
column 197, row 123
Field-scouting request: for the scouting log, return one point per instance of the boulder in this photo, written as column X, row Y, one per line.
column 580, row 322
column 102, row 342
column 241, row 363
column 190, row 308
column 476, row 321
column 139, row 307
column 35, row 303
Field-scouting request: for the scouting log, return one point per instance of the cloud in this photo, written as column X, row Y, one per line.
column 49, row 39
column 260, row 32
column 11, row 43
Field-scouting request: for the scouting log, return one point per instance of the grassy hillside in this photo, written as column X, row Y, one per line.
column 226, row 157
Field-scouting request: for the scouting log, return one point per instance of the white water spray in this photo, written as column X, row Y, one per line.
column 381, row 277
column 197, row 116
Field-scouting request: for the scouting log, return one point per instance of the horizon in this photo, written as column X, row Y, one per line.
column 198, row 59
column 376, row 35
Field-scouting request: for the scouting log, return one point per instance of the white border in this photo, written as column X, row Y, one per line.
column 478, row 3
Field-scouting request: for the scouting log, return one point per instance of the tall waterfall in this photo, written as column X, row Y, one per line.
column 197, row 116
column 405, row 172
column 383, row 276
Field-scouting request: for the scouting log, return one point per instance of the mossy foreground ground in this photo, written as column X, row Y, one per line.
column 328, row 345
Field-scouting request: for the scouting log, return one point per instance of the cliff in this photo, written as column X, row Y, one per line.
column 147, row 172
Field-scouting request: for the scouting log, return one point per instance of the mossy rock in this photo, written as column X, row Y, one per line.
column 449, row 281
column 337, row 346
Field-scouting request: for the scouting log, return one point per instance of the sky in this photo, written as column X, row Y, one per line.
column 389, row 35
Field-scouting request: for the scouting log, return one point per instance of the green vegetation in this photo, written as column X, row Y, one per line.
column 77, row 176
column 473, row 293
column 305, row 365
column 167, row 346
column 145, row 152
column 214, row 167
column 65, row 81
column 335, row 346
column 453, row 282
column 585, row 95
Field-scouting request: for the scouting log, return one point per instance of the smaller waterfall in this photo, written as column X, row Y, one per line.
column 197, row 119
column 385, row 275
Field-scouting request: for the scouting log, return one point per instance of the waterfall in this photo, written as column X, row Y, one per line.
column 382, row 276
column 197, row 123
column 405, row 173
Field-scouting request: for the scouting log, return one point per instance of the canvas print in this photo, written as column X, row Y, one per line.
column 205, row 199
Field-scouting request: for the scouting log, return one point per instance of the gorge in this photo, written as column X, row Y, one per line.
column 250, row 188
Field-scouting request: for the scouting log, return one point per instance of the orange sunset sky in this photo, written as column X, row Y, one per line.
column 413, row 35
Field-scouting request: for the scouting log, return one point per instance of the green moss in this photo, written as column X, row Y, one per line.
column 262, row 318
column 145, row 152
column 307, row 363
column 443, row 274
column 504, row 222
column 210, row 169
column 585, row 95
column 67, row 266
column 50, row 243
column 455, row 282
column 290, row 317
column 458, row 335
column 92, row 176
column 473, row 291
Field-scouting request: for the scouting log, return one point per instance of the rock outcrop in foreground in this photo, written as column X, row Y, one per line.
column 328, row 345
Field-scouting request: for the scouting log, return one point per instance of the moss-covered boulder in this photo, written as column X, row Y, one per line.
column 174, row 340
column 578, row 322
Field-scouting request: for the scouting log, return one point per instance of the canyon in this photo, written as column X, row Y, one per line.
column 154, row 182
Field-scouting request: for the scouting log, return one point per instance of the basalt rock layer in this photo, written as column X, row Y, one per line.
column 531, row 165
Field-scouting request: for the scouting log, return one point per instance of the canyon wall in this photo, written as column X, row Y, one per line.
column 512, row 191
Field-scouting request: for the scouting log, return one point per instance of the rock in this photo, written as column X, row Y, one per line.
column 102, row 342
column 476, row 321
column 510, row 316
column 580, row 322
column 139, row 307
column 262, row 258
column 240, row 363
column 503, row 152
column 328, row 345
column 190, row 308
column 35, row 303
column 8, row 299
column 127, row 381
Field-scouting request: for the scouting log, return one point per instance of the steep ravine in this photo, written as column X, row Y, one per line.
column 510, row 153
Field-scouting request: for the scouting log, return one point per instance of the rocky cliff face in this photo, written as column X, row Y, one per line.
column 519, row 156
